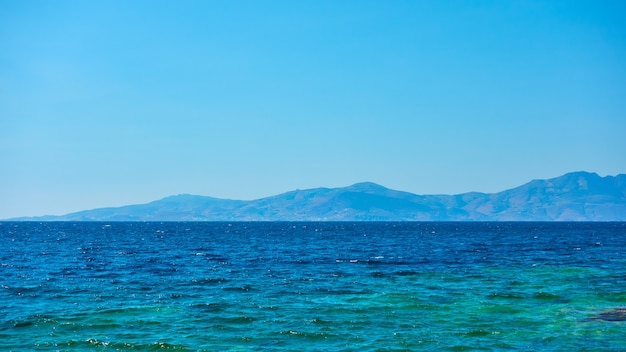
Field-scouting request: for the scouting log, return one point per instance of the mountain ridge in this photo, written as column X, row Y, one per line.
column 575, row 196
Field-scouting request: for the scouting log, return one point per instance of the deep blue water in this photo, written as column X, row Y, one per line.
column 313, row 286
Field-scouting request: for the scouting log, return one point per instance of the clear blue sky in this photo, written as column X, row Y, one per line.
column 107, row 103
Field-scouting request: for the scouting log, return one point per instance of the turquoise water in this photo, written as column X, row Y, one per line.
column 313, row 286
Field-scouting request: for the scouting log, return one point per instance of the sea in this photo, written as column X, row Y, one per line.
column 312, row 286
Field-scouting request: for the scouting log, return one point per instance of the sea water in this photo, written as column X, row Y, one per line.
column 137, row 286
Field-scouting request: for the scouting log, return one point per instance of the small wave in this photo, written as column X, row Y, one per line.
column 211, row 307
column 506, row 295
column 209, row 281
column 34, row 320
column 477, row 333
column 306, row 335
column 121, row 346
column 549, row 297
column 406, row 273
column 613, row 315
column 235, row 320
column 133, row 311
column 342, row 291
column 242, row 288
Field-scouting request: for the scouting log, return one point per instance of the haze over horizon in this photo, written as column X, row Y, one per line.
column 114, row 103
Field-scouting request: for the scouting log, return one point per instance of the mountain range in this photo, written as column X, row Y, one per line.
column 577, row 196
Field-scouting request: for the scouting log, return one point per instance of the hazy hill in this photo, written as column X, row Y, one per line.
column 578, row 196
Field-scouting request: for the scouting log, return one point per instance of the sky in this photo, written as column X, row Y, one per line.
column 109, row 103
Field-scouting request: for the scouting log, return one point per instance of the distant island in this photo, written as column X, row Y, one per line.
column 577, row 196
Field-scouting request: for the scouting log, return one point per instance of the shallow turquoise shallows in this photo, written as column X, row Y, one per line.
column 313, row 286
